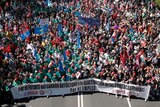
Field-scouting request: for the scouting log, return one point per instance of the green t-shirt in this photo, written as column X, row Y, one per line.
column 16, row 83
column 41, row 75
column 72, row 70
column 31, row 80
column 46, row 80
column 58, row 74
column 54, row 21
column 45, row 71
column 37, row 80
column 25, row 81
column 54, row 79
column 62, row 80
column 6, row 88
column 49, row 74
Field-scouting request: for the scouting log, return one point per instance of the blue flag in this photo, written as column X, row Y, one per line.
column 48, row 3
column 66, row 10
column 78, row 40
column 64, row 56
column 77, row 13
column 35, row 55
column 108, row 26
column 112, row 39
column 90, row 21
column 41, row 30
column 131, row 30
column 60, row 29
column 35, row 52
column 25, row 35
column 60, row 66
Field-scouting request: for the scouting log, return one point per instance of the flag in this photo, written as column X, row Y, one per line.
column 25, row 35
column 108, row 26
column 35, row 55
column 29, row 14
column 48, row 3
column 90, row 21
column 131, row 30
column 60, row 29
column 138, row 56
column 114, row 16
column 112, row 39
column 41, row 30
column 8, row 48
column 34, row 52
column 77, row 13
column 78, row 40
column 66, row 10
column 124, row 56
column 64, row 55
column 24, row 27
column 44, row 21
column 60, row 66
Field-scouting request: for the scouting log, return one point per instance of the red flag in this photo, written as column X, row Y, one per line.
column 26, row 26
column 138, row 56
column 68, row 52
column 7, row 49
column 114, row 16
column 71, row 27
column 149, row 30
column 64, row 22
column 29, row 14
column 123, row 57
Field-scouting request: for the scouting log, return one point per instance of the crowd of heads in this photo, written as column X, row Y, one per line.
column 124, row 47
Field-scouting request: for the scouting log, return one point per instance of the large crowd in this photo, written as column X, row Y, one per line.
column 124, row 47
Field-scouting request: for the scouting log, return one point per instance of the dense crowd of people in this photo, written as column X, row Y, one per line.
column 124, row 47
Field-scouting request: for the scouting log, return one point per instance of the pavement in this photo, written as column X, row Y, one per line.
column 86, row 100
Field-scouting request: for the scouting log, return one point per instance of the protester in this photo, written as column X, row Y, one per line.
column 117, row 40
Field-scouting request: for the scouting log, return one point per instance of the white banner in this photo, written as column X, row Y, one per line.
column 87, row 85
column 44, row 21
